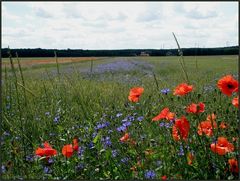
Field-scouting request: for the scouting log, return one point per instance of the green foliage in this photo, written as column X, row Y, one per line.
column 60, row 107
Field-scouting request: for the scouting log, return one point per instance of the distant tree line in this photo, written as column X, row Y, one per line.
column 38, row 52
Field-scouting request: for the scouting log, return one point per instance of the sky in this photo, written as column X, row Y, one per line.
column 119, row 25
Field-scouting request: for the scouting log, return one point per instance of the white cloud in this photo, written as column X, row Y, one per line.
column 118, row 25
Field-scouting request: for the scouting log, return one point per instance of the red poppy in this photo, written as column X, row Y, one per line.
column 124, row 138
column 223, row 125
column 182, row 89
column 180, row 129
column 164, row 177
column 228, row 85
column 67, row 150
column 233, row 163
column 211, row 117
column 195, row 108
column 46, row 151
column 164, row 114
column 222, row 146
column 135, row 94
column 206, row 127
column 235, row 102
column 75, row 144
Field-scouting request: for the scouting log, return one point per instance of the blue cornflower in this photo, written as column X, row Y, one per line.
column 47, row 170
column 119, row 115
column 99, row 126
column 106, row 141
column 106, row 124
column 3, row 169
column 167, row 125
column 81, row 151
column 91, row 145
column 56, row 119
column 150, row 174
column 162, row 124
column 126, row 124
column 29, row 158
column 50, row 161
column 5, row 133
column 110, row 131
column 124, row 160
column 181, row 151
column 140, row 118
column 124, row 120
column 131, row 118
column 121, row 128
column 94, row 134
column 165, row 91
column 47, row 113
column 114, row 153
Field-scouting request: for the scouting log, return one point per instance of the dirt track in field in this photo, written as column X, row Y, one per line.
column 30, row 62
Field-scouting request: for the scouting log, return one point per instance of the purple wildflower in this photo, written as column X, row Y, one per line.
column 47, row 113
column 81, row 151
column 50, row 161
column 47, row 170
column 162, row 124
column 94, row 134
column 3, row 169
column 114, row 153
column 150, row 174
column 5, row 133
column 126, row 124
column 119, row 115
column 131, row 118
column 91, row 145
column 140, row 118
column 124, row 120
column 121, row 128
column 110, row 131
column 29, row 158
column 56, row 119
column 167, row 125
column 125, row 160
column 181, row 151
column 165, row 91
column 106, row 142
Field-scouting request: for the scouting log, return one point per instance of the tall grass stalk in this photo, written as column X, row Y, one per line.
column 182, row 58
column 18, row 104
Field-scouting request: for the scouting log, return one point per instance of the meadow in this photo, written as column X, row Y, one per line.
column 82, row 119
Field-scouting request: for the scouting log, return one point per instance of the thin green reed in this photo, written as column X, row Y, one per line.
column 18, row 102
column 23, row 82
column 55, row 54
column 183, row 62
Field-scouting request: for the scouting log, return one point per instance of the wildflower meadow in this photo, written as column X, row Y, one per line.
column 154, row 118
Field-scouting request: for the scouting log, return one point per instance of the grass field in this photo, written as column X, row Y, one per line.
column 87, row 99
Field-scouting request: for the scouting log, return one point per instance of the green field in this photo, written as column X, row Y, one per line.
column 60, row 102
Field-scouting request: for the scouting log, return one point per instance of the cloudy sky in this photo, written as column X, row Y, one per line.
column 118, row 25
